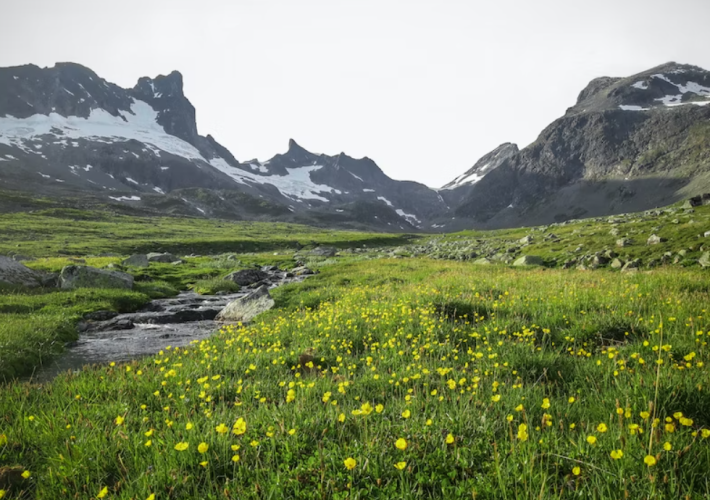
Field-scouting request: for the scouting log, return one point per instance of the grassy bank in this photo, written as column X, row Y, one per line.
column 405, row 378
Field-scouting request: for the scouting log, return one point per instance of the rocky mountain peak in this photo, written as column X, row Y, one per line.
column 486, row 164
column 175, row 112
column 666, row 86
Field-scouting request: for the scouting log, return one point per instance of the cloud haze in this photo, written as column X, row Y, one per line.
column 423, row 87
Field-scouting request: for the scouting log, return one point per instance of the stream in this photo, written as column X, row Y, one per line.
column 175, row 322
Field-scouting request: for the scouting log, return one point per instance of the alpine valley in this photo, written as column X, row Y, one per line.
column 69, row 136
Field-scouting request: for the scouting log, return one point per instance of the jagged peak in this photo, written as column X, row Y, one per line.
column 294, row 147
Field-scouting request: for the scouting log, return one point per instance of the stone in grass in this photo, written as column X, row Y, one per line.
column 654, row 239
column 704, row 260
column 529, row 260
column 89, row 277
column 631, row 266
column 136, row 260
column 706, row 234
column 617, row 264
column 624, row 242
column 302, row 271
column 247, row 277
column 246, row 308
column 482, row 262
column 323, row 252
column 165, row 258
column 14, row 273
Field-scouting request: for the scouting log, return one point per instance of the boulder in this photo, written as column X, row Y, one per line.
column 654, row 239
column 631, row 266
column 704, row 260
column 526, row 240
column 136, row 260
column 302, row 271
column 706, row 234
column 14, row 273
column 616, row 264
column 89, row 277
column 483, row 262
column 165, row 258
column 324, row 252
column 247, row 277
column 246, row 308
column 529, row 260
column 624, row 242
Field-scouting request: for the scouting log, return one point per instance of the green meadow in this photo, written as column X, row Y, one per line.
column 395, row 372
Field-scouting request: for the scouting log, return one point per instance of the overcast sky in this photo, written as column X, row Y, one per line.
column 422, row 87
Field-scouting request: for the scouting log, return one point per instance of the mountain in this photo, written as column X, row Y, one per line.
column 627, row 144
column 65, row 130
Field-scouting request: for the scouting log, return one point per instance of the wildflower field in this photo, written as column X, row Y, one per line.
column 395, row 378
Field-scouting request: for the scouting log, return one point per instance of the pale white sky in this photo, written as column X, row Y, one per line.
column 423, row 87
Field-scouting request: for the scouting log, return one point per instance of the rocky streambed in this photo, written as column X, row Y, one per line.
column 105, row 336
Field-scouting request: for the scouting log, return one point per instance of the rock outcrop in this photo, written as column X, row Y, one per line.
column 73, row 277
column 246, row 308
column 13, row 273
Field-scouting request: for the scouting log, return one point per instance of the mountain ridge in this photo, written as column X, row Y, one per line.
column 66, row 130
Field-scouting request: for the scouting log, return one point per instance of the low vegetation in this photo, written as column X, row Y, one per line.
column 382, row 377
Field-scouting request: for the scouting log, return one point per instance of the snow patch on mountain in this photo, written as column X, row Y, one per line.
column 382, row 198
column 296, row 184
column 408, row 217
column 125, row 198
column 139, row 124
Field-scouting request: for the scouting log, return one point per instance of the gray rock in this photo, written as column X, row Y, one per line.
column 525, row 240
column 22, row 258
column 616, row 264
column 246, row 308
column 165, row 258
column 89, row 277
column 247, row 277
column 482, row 262
column 654, row 239
column 324, row 252
column 14, row 273
column 136, row 260
column 599, row 260
column 631, row 266
column 624, row 242
column 706, row 234
column 704, row 259
column 529, row 260
column 302, row 271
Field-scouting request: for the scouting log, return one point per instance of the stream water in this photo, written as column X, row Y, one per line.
column 175, row 322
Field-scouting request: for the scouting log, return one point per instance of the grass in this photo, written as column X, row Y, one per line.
column 495, row 378
column 380, row 377
column 61, row 231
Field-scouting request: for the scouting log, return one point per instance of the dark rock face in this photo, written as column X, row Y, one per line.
column 604, row 156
